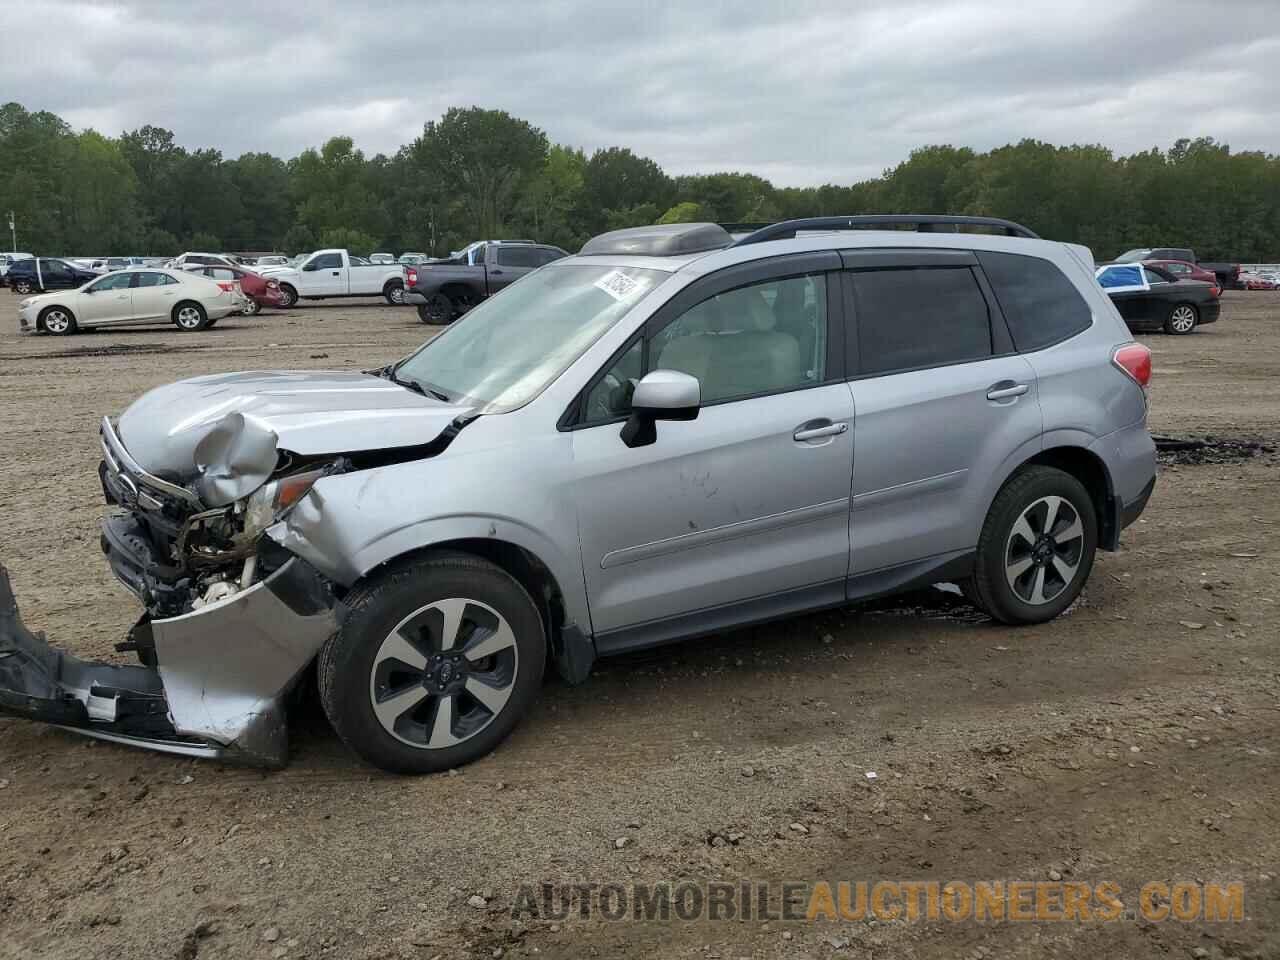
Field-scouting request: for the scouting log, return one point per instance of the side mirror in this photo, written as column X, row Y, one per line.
column 662, row 395
column 309, row 266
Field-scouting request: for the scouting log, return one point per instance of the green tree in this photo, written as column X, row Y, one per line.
column 353, row 241
column 686, row 212
column 485, row 157
column 616, row 181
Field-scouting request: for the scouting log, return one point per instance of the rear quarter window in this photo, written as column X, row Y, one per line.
column 1040, row 304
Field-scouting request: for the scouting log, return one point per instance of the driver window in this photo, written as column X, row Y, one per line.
column 611, row 396
column 764, row 338
column 117, row 281
column 477, row 256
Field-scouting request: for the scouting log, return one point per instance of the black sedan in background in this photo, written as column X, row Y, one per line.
column 1169, row 304
column 53, row 274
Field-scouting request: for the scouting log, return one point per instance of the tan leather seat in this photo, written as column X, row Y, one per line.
column 740, row 353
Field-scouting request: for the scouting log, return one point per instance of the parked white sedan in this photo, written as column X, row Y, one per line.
column 128, row 297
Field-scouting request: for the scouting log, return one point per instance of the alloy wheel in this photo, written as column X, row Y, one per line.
column 1182, row 319
column 396, row 295
column 22, row 286
column 444, row 673
column 57, row 321
column 189, row 318
column 1044, row 550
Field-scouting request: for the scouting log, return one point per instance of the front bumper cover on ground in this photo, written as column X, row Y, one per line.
column 220, row 682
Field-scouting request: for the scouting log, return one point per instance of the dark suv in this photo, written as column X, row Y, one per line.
column 46, row 273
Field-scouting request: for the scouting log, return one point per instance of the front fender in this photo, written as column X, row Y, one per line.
column 350, row 524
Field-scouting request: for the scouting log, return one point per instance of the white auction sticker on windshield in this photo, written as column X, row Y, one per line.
column 618, row 285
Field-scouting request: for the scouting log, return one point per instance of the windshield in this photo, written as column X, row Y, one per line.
column 1132, row 256
column 506, row 351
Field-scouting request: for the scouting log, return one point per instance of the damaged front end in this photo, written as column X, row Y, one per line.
column 232, row 619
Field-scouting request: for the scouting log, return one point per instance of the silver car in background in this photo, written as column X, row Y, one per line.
column 668, row 435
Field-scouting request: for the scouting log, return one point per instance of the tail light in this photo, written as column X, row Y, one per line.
column 226, row 287
column 1135, row 360
column 412, row 276
column 1215, row 291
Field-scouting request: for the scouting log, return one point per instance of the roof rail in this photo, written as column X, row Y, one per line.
column 926, row 223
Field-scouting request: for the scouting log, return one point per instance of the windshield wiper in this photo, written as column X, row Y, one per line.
column 423, row 388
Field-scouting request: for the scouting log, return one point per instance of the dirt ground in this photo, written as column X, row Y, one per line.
column 1135, row 739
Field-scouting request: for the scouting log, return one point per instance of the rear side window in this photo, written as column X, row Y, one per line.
column 518, row 257
column 919, row 317
column 1041, row 305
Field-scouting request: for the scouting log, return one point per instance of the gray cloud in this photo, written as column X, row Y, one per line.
column 800, row 92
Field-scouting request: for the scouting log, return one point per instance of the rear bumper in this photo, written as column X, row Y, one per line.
column 1131, row 511
column 220, row 681
column 413, row 296
column 1210, row 311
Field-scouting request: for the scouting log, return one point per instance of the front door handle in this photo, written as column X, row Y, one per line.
column 1006, row 390
column 817, row 429
column 335, row 273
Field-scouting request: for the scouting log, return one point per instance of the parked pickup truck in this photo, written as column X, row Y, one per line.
column 444, row 290
column 335, row 273
column 1228, row 274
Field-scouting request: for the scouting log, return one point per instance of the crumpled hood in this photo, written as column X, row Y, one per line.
column 309, row 412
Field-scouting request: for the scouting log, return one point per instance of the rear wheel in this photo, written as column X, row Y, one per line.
column 437, row 311
column 58, row 320
column 394, row 292
column 23, row 286
column 434, row 665
column 1036, row 548
column 251, row 309
column 190, row 316
column 1182, row 319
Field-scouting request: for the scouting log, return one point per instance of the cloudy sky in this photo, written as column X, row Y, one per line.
column 799, row 92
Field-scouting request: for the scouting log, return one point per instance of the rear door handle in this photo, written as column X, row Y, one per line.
column 817, row 429
column 1006, row 390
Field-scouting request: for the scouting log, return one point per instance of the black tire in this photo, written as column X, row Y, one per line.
column 63, row 321
column 1183, row 318
column 290, row 296
column 438, row 310
column 189, row 316
column 1027, row 495
column 353, row 665
column 394, row 292
column 23, row 287
column 252, row 308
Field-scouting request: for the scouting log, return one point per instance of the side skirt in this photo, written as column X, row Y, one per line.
column 789, row 603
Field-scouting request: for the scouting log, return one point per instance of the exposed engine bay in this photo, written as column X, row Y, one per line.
column 179, row 553
column 205, row 476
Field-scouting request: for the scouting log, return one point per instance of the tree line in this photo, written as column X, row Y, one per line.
column 479, row 174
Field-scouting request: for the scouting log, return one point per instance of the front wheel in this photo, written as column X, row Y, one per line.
column 190, row 316
column 288, row 296
column 437, row 311
column 1182, row 319
column 1036, row 547
column 436, row 662
column 394, row 294
column 58, row 321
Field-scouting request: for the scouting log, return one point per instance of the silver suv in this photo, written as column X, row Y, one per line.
column 666, row 436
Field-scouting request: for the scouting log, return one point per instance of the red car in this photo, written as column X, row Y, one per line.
column 1253, row 281
column 259, row 290
column 1184, row 270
